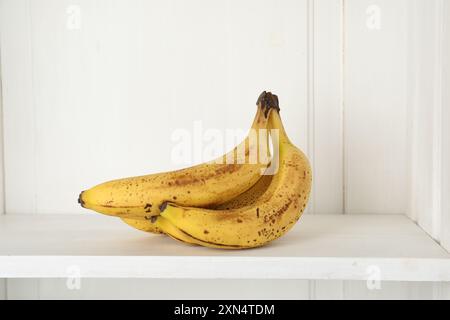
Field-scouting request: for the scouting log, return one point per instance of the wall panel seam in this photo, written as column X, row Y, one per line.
column 413, row 92
column 2, row 145
column 437, row 127
column 409, row 113
column 312, row 289
column 445, row 142
column 342, row 92
column 33, row 106
column 310, row 96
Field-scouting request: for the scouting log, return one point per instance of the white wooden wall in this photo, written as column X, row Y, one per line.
column 445, row 133
column 428, row 99
column 93, row 90
column 2, row 194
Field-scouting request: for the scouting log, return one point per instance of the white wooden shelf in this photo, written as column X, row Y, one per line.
column 349, row 247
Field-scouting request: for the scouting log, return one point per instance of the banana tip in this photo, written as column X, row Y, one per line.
column 80, row 199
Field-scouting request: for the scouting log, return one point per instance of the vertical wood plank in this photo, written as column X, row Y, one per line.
column 441, row 291
column 445, row 194
column 427, row 99
column 2, row 154
column 326, row 133
column 310, row 85
column 389, row 290
column 2, row 289
column 23, row 289
column 18, row 111
column 375, row 106
column 163, row 289
column 2, row 181
column 328, row 290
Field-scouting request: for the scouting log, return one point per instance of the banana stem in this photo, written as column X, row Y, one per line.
column 276, row 123
column 267, row 101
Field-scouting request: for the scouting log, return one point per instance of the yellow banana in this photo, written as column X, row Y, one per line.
column 204, row 185
column 160, row 225
column 246, row 198
column 156, row 225
column 143, row 225
column 267, row 218
column 249, row 197
column 179, row 235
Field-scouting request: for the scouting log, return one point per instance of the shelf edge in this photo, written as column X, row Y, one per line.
column 166, row 267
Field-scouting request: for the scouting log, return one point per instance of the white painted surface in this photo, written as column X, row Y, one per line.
column 17, row 93
column 328, row 289
column 428, row 100
column 375, row 107
column 2, row 180
column 3, row 292
column 441, row 290
column 23, row 289
column 196, row 289
column 320, row 247
column 425, row 107
column 389, row 291
column 2, row 194
column 223, row 289
column 445, row 194
column 326, row 150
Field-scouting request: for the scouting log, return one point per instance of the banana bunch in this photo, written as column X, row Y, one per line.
column 244, row 199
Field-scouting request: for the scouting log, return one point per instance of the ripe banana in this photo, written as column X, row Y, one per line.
column 204, row 185
column 249, row 197
column 161, row 225
column 177, row 234
column 144, row 225
column 246, row 198
column 267, row 218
